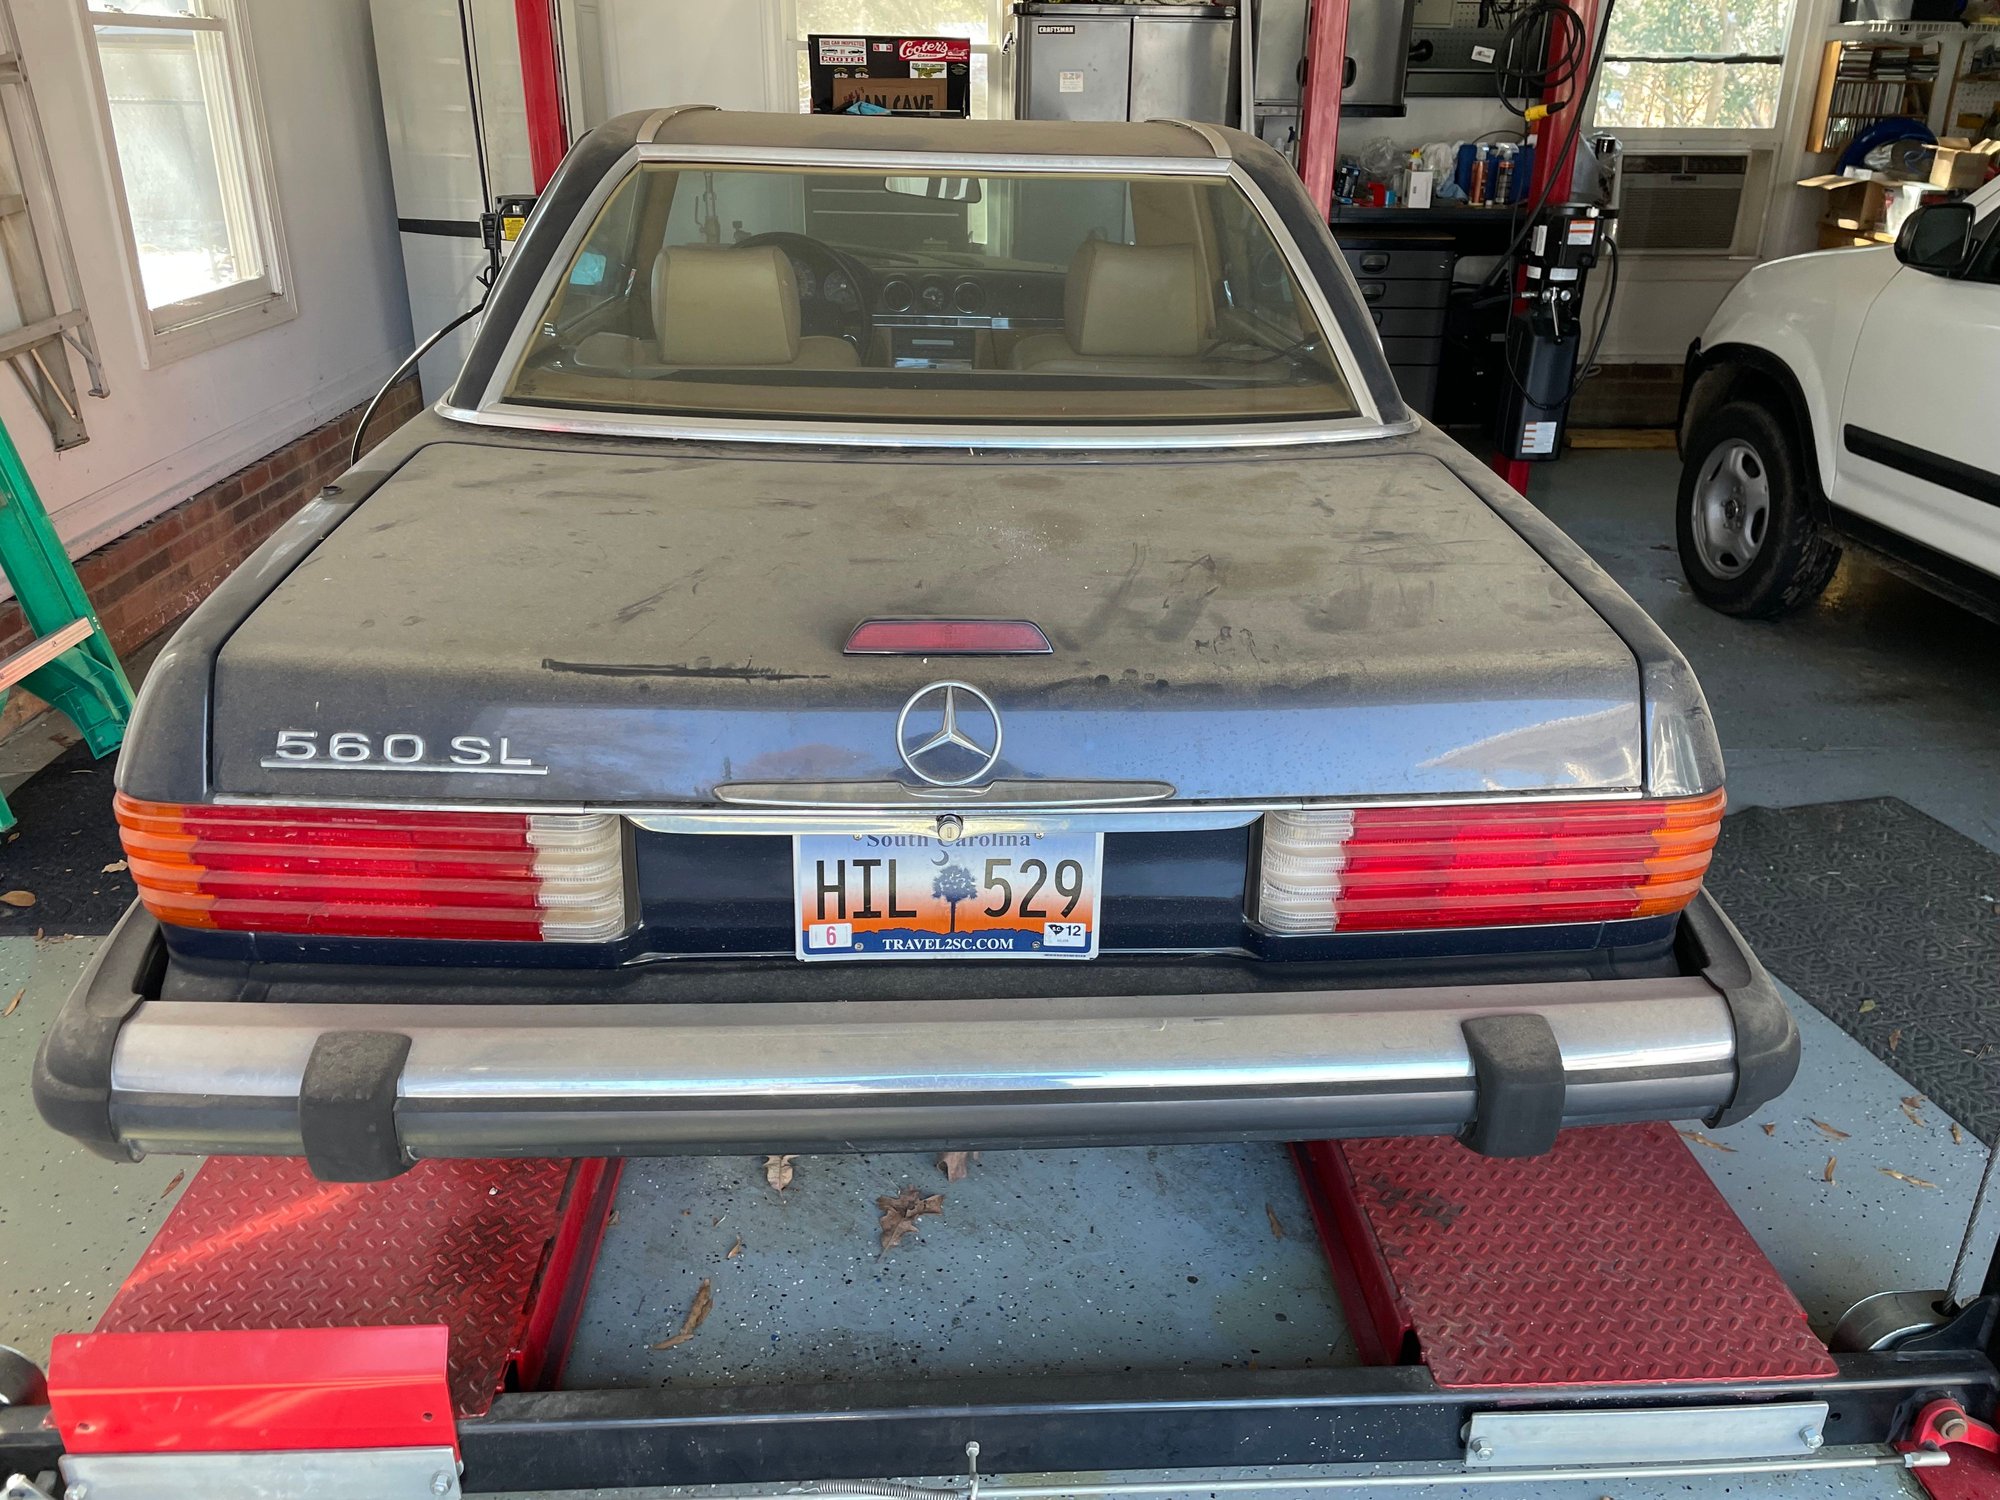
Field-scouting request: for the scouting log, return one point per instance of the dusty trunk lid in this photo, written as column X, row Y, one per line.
column 641, row 629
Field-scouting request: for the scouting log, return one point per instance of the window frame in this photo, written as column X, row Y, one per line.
column 181, row 329
column 1707, row 137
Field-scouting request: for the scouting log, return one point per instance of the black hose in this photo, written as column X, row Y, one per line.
column 1538, row 82
column 361, row 427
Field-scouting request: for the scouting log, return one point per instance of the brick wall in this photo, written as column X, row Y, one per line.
column 147, row 579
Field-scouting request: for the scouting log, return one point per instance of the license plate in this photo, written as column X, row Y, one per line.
column 912, row 895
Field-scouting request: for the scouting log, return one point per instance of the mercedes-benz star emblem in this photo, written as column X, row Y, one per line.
column 949, row 734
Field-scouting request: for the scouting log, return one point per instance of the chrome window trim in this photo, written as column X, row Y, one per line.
column 494, row 410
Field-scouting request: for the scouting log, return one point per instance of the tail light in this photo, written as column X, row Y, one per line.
column 323, row 871
column 1381, row 869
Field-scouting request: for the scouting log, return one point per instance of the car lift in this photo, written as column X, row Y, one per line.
column 1598, row 1312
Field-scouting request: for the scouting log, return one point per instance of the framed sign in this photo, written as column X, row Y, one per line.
column 899, row 75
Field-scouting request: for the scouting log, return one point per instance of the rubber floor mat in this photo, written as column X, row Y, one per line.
column 59, row 850
column 1889, row 923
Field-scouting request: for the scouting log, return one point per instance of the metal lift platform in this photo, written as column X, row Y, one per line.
column 1598, row 1312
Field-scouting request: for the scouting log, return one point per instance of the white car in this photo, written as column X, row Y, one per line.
column 1850, row 397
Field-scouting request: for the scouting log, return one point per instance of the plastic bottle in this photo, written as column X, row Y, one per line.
column 1503, row 177
column 1475, row 194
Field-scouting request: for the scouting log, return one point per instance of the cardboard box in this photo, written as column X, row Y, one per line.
column 1962, row 165
column 1852, row 203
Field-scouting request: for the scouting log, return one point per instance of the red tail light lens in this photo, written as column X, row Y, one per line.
column 1380, row 869
column 322, row 871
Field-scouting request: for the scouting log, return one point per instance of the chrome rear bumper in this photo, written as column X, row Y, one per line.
column 344, row 1084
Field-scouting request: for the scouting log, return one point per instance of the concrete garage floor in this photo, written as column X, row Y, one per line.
column 1880, row 691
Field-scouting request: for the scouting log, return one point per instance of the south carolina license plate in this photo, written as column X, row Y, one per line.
column 913, row 895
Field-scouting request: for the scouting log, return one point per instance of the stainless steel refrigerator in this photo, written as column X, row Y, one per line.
column 1128, row 62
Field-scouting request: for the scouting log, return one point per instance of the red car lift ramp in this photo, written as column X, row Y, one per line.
column 1598, row 1312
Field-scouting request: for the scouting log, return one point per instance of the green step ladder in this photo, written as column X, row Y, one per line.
column 69, row 664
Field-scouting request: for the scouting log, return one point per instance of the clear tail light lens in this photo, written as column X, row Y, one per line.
column 341, row 872
column 1384, row 869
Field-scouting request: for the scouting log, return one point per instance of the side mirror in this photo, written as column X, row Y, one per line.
column 1936, row 238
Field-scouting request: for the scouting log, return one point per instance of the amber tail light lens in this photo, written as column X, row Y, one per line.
column 1382, row 869
column 344, row 872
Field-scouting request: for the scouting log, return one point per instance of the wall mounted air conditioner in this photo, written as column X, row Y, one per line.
column 1684, row 201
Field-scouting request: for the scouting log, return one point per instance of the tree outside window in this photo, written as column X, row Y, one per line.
column 1685, row 65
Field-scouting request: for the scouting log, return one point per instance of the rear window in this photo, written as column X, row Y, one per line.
column 1005, row 298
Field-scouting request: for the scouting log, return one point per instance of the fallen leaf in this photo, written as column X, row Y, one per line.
column 900, row 1214
column 18, row 898
column 778, row 1171
column 1770, row 1130
column 1702, row 1140
column 1911, row 1103
column 1277, row 1229
column 1866, row 1006
column 614, row 1217
column 704, row 1299
column 1834, row 1131
column 116, row 867
column 1827, row 1175
column 14, row 1004
column 1957, row 1135
column 1895, row 1039
column 735, row 1249
column 1905, row 1177
column 955, row 1164
column 172, row 1182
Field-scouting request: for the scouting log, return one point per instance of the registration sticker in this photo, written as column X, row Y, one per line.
column 980, row 894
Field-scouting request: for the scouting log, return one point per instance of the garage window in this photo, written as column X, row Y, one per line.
column 178, row 99
column 1693, row 65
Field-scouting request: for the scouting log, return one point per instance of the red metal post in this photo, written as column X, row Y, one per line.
column 541, row 87
column 1376, row 1316
column 1556, row 138
column 1319, row 100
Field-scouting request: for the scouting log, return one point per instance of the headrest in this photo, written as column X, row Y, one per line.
column 726, row 305
column 1134, row 300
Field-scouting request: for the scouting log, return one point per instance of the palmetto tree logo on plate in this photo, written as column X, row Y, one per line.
column 951, row 885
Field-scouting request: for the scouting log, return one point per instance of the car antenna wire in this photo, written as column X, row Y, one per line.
column 361, row 428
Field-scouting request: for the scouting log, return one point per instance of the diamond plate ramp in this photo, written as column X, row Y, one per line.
column 1611, row 1260
column 258, row 1242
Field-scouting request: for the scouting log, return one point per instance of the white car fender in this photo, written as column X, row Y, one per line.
column 1806, row 311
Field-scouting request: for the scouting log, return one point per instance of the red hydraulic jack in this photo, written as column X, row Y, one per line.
column 1594, row 1312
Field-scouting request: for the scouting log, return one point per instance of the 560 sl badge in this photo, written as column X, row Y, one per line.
column 351, row 750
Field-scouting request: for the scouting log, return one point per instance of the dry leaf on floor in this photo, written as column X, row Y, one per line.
column 1911, row 1104
column 614, row 1217
column 1866, row 1006
column 778, row 1171
column 172, row 1182
column 1770, row 1130
column 116, row 867
column 735, row 1249
column 1957, row 1135
column 1895, row 1039
column 1833, row 1130
column 1277, row 1229
column 1703, row 1140
column 14, row 1004
column 18, row 898
column 1905, row 1177
column 955, row 1164
column 704, row 1299
column 900, row 1214
column 1827, row 1175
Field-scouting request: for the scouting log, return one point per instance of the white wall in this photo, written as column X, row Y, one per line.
column 165, row 433
column 689, row 52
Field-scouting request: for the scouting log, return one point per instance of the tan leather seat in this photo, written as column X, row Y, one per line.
column 1127, row 309
column 736, row 306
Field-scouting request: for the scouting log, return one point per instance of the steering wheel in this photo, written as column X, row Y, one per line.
column 853, row 320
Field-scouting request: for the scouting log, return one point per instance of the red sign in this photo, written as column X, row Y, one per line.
column 934, row 49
